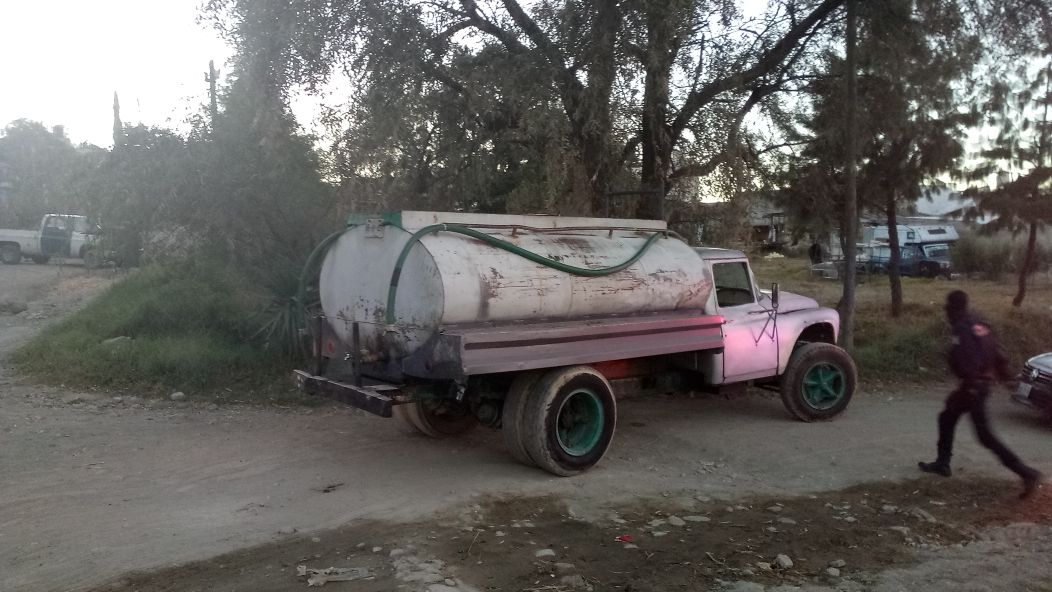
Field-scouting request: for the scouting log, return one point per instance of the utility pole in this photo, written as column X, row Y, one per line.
column 850, row 226
column 210, row 77
column 118, row 127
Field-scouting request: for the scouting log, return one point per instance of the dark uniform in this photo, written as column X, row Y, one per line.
column 977, row 361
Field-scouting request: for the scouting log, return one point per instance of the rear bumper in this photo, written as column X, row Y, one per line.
column 1033, row 394
column 376, row 399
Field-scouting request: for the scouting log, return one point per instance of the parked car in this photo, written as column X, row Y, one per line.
column 1035, row 384
column 928, row 260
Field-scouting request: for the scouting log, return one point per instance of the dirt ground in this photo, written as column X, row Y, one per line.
column 110, row 491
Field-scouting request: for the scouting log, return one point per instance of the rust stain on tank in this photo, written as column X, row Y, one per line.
column 489, row 287
column 574, row 243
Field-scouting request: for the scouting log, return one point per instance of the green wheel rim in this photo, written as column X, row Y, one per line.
column 824, row 386
column 579, row 423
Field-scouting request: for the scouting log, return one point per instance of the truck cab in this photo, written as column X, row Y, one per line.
column 760, row 333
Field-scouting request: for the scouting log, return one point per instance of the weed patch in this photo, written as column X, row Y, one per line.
column 184, row 326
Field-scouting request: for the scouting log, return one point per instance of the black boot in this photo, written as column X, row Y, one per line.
column 938, row 468
column 1031, row 483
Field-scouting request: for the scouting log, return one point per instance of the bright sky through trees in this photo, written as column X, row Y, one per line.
column 61, row 61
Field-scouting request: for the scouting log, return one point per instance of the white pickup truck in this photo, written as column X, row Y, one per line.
column 65, row 236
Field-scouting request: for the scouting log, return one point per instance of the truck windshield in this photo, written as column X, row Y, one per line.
column 937, row 251
column 733, row 284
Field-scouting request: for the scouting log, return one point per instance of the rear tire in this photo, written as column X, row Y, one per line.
column 513, row 414
column 819, row 382
column 437, row 418
column 569, row 420
column 11, row 254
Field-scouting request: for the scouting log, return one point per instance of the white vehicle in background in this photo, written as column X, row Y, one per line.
column 64, row 236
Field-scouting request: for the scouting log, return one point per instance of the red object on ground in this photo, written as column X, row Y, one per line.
column 625, row 538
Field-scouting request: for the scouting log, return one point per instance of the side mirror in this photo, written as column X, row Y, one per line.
column 774, row 296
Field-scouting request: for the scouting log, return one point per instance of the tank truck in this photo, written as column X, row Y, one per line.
column 535, row 325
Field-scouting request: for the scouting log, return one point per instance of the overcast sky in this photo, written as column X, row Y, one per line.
column 62, row 60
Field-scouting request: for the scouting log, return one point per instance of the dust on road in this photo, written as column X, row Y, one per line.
column 96, row 485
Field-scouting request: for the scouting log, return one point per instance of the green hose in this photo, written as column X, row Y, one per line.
column 308, row 268
column 505, row 245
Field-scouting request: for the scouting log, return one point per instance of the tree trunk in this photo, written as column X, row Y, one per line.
column 849, row 231
column 656, row 140
column 894, row 277
column 593, row 121
column 1028, row 262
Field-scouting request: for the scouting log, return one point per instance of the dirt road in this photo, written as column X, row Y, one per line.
column 95, row 486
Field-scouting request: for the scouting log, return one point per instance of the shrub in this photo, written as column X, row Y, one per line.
column 182, row 326
column 990, row 257
column 986, row 257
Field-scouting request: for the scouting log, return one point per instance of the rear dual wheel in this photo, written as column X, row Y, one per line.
column 437, row 418
column 561, row 421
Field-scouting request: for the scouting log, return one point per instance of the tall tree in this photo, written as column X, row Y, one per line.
column 915, row 53
column 1017, row 104
column 911, row 56
column 39, row 165
column 1023, row 149
column 702, row 64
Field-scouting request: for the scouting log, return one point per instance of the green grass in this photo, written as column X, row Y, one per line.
column 912, row 347
column 191, row 329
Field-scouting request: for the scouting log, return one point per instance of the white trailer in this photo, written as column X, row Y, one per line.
column 915, row 234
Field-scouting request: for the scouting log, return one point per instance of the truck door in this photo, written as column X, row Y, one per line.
column 55, row 237
column 750, row 349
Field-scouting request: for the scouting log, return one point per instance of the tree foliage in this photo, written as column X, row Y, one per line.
column 1016, row 102
column 40, row 169
column 547, row 103
column 913, row 57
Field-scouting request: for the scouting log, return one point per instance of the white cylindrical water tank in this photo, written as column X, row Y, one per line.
column 449, row 279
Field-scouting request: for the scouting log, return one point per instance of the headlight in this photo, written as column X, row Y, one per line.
column 1035, row 374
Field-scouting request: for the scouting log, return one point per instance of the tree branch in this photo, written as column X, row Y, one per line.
column 768, row 62
column 534, row 34
column 702, row 169
column 471, row 10
column 626, row 152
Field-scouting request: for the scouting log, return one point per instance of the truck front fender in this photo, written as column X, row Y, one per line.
column 820, row 325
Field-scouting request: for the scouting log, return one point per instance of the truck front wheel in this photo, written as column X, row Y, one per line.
column 436, row 418
column 568, row 420
column 818, row 382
